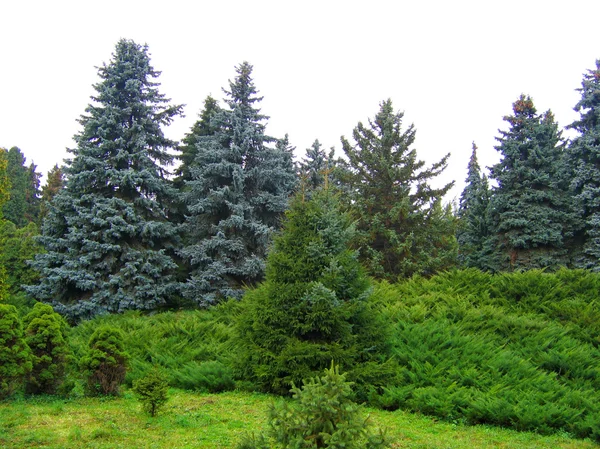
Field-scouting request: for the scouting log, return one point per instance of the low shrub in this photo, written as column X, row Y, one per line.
column 15, row 355
column 152, row 391
column 105, row 364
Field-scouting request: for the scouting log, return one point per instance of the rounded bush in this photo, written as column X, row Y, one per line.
column 15, row 355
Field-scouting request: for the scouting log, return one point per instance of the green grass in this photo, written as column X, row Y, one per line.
column 194, row 420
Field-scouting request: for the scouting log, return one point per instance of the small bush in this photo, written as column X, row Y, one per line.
column 210, row 376
column 105, row 365
column 44, row 333
column 15, row 355
column 322, row 415
column 152, row 391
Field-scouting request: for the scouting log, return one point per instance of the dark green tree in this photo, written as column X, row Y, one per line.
column 105, row 365
column 313, row 306
column 531, row 210
column 584, row 166
column 316, row 168
column 188, row 147
column 473, row 213
column 45, row 334
column 15, row 356
column 23, row 204
column 108, row 236
column 240, row 186
column 54, row 183
column 393, row 202
column 17, row 247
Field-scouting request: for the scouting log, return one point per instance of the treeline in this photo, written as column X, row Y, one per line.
column 120, row 231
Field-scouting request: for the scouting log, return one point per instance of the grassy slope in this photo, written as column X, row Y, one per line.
column 193, row 420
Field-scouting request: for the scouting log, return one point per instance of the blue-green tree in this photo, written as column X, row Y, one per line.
column 531, row 212
column 241, row 181
column 316, row 168
column 584, row 167
column 473, row 214
column 107, row 234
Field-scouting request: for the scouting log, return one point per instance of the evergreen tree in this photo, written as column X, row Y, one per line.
column 54, row 184
column 15, row 356
column 107, row 235
column 45, row 334
column 313, row 306
column 584, row 165
column 392, row 200
column 530, row 206
column 188, row 147
column 316, row 168
column 239, row 190
column 473, row 214
column 23, row 205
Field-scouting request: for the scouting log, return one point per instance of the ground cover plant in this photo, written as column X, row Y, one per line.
column 218, row 421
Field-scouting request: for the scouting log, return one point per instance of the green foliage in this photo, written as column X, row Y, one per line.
column 15, row 355
column 403, row 228
column 108, row 238
column 152, row 391
column 194, row 348
column 54, row 183
column 17, row 247
column 45, row 332
column 314, row 306
column 518, row 350
column 22, row 206
column 322, row 415
column 105, row 364
column 532, row 216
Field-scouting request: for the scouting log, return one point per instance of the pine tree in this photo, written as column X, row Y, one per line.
column 316, row 168
column 54, row 184
column 393, row 202
column 473, row 215
column 313, row 306
column 531, row 211
column 584, row 165
column 15, row 356
column 23, row 205
column 239, row 190
column 107, row 235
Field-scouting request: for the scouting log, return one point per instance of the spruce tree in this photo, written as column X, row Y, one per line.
column 531, row 217
column 584, row 166
column 473, row 208
column 313, row 306
column 15, row 355
column 316, row 168
column 23, row 204
column 107, row 235
column 241, row 180
column 54, row 184
column 393, row 202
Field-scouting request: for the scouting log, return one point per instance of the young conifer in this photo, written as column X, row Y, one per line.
column 15, row 355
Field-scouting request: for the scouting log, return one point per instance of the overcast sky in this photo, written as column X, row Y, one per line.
column 453, row 67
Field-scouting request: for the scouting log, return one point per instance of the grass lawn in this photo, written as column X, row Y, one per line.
column 217, row 421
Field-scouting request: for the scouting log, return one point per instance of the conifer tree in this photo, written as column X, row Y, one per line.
column 390, row 195
column 314, row 304
column 473, row 227
column 54, row 184
column 239, row 189
column 316, row 167
column 23, row 204
column 15, row 355
column 107, row 235
column 531, row 212
column 584, row 166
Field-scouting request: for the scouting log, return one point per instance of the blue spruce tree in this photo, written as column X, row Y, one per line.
column 584, row 167
column 473, row 226
column 531, row 215
column 107, row 234
column 240, row 183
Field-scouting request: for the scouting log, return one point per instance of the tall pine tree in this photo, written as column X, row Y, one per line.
column 23, row 205
column 473, row 226
column 241, row 181
column 107, row 235
column 532, row 219
column 394, row 204
column 584, row 165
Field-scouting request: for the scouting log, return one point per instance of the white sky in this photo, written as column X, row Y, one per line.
column 453, row 67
